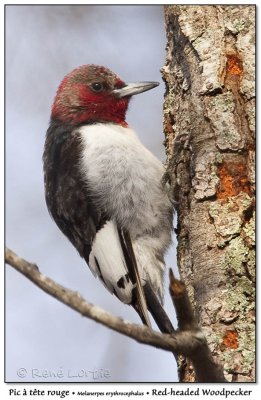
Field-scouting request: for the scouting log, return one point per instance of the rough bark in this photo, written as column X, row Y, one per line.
column 209, row 122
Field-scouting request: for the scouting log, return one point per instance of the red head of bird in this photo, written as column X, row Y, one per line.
column 93, row 93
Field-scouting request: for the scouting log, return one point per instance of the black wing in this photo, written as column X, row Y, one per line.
column 66, row 197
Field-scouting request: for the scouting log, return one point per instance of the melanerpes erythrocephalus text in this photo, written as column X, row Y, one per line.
column 104, row 189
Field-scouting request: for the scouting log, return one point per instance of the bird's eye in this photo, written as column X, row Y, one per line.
column 97, row 87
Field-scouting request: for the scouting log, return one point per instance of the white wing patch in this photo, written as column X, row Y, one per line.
column 107, row 261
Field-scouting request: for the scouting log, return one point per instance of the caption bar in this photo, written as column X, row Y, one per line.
column 222, row 393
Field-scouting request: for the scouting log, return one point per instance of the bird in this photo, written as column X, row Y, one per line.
column 104, row 188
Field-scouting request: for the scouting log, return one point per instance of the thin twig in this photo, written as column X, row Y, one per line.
column 184, row 312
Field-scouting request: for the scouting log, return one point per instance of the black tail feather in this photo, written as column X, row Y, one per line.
column 157, row 311
column 144, row 298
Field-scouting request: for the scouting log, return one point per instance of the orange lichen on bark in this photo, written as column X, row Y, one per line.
column 233, row 179
column 230, row 339
column 233, row 72
column 234, row 65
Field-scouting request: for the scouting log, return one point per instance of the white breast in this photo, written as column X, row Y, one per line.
column 124, row 176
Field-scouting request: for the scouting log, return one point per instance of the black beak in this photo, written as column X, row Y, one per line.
column 134, row 88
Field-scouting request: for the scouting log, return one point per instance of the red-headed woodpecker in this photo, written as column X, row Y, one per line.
column 104, row 188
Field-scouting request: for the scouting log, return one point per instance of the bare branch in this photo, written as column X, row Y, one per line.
column 184, row 342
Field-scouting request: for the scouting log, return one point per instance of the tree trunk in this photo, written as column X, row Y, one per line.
column 209, row 122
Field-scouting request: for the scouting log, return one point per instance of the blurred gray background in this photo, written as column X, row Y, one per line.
column 45, row 340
